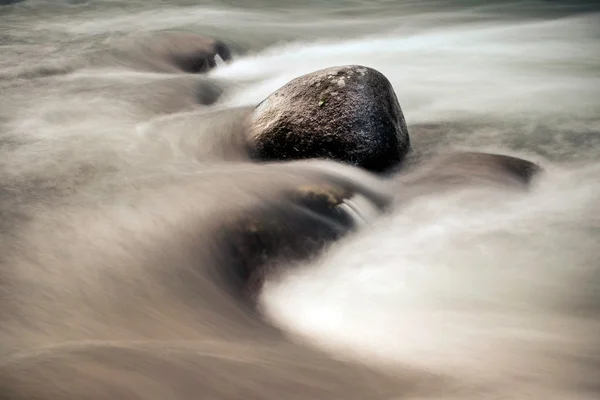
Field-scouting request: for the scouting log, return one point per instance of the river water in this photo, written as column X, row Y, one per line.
column 497, row 287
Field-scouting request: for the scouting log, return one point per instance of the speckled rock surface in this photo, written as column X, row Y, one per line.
column 347, row 113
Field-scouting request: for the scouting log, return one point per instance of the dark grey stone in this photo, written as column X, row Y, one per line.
column 348, row 113
column 204, row 58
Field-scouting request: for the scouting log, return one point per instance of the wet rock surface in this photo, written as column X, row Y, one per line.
column 348, row 113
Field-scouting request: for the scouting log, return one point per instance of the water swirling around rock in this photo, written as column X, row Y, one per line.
column 145, row 253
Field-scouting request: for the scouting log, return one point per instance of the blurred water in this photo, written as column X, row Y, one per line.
column 453, row 281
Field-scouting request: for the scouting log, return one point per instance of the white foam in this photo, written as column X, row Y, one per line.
column 470, row 283
column 452, row 72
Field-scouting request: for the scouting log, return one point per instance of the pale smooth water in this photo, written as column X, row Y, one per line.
column 490, row 287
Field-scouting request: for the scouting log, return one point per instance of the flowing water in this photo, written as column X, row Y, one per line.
column 489, row 287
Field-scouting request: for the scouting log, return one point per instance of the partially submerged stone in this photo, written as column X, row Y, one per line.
column 349, row 114
column 166, row 52
column 468, row 169
column 288, row 232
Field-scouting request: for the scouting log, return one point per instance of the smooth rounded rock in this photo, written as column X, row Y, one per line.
column 348, row 113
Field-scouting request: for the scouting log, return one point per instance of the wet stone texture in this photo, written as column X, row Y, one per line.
column 349, row 114
column 261, row 242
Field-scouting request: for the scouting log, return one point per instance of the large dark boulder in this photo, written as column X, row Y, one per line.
column 348, row 113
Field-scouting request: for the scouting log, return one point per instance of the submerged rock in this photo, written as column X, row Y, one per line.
column 458, row 170
column 348, row 113
column 166, row 52
column 298, row 230
column 200, row 56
